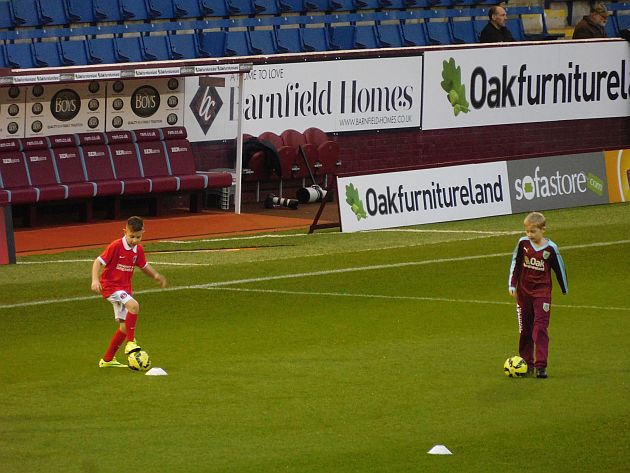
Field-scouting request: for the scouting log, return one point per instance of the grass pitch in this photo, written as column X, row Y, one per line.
column 323, row 353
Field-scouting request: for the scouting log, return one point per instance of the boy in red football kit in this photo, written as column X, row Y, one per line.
column 530, row 282
column 119, row 259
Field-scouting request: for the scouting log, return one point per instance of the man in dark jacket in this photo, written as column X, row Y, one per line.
column 496, row 31
column 593, row 25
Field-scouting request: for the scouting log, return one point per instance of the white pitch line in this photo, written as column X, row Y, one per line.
column 385, row 230
column 214, row 240
column 65, row 261
column 56, row 261
column 310, row 274
column 476, row 232
column 412, row 298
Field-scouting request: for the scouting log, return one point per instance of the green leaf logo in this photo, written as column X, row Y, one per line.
column 452, row 85
column 354, row 201
column 595, row 184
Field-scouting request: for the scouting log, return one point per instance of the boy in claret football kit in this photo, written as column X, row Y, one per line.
column 119, row 260
column 530, row 283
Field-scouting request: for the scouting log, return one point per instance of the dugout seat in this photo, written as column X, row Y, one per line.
column 126, row 164
column 182, row 165
column 287, row 152
column 41, row 169
column 152, row 160
column 98, row 164
column 71, row 170
column 14, row 178
column 327, row 151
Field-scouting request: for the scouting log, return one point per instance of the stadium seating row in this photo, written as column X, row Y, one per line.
column 207, row 24
column 87, row 165
column 294, row 150
column 39, row 13
column 382, row 30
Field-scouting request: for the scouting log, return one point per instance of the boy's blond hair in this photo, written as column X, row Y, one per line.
column 537, row 219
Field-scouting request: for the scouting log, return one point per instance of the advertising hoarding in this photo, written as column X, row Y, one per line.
column 56, row 109
column 145, row 103
column 618, row 172
column 557, row 182
column 397, row 199
column 12, row 111
column 521, row 84
column 211, row 107
column 334, row 96
column 404, row 198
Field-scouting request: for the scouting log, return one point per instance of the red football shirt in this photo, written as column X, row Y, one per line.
column 531, row 268
column 120, row 260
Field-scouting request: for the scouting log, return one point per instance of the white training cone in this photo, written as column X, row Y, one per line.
column 439, row 450
column 156, row 372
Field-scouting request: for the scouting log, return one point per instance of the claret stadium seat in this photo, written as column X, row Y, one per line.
column 327, row 151
column 42, row 170
column 70, row 167
column 98, row 164
column 14, row 179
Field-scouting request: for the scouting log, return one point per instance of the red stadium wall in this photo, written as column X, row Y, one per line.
column 402, row 148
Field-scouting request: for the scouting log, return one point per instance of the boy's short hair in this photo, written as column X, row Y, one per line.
column 135, row 224
column 537, row 219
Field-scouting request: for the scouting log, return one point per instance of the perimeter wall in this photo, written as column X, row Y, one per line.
column 521, row 100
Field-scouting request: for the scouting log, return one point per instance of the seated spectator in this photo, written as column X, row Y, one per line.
column 593, row 25
column 496, row 31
